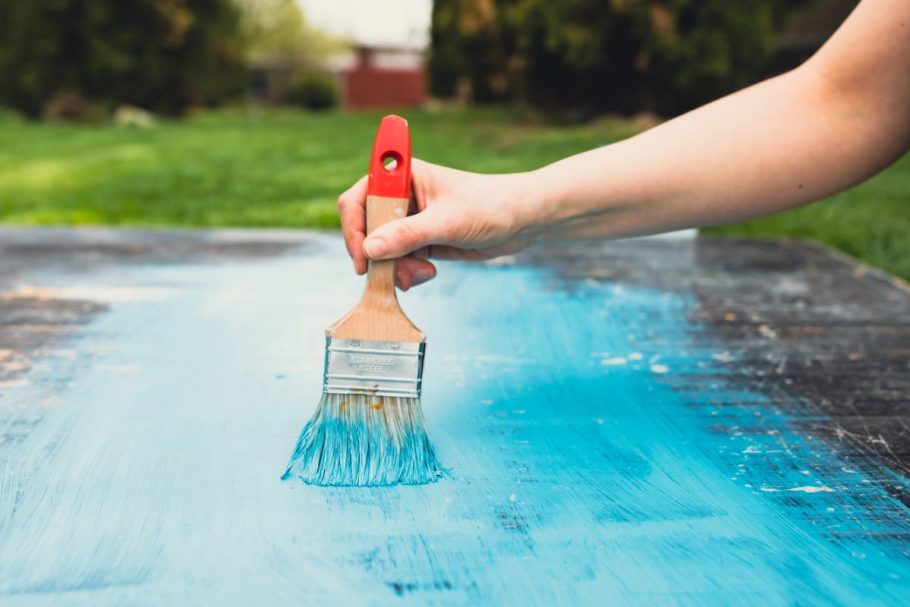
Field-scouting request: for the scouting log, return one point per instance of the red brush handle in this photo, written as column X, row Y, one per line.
column 393, row 141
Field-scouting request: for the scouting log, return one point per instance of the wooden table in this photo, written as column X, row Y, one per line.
column 648, row 422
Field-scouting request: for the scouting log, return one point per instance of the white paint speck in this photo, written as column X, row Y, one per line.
column 659, row 368
column 636, row 356
column 767, row 332
column 613, row 362
column 813, row 489
column 722, row 357
column 504, row 260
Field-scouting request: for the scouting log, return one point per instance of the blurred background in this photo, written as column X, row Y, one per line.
column 260, row 112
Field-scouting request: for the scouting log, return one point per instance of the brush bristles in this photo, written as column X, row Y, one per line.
column 360, row 440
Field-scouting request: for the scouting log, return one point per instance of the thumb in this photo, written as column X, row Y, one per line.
column 402, row 236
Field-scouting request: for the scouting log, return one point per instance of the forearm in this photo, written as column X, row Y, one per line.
column 768, row 148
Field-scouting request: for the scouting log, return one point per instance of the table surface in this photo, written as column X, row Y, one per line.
column 652, row 421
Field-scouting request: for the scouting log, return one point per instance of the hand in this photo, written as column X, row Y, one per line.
column 455, row 215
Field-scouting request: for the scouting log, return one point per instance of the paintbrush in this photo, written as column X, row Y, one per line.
column 369, row 428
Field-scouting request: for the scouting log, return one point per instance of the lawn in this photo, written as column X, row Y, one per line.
column 286, row 169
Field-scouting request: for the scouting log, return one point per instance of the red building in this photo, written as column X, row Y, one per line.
column 385, row 76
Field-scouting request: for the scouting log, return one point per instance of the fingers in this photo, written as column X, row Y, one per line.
column 402, row 236
column 352, row 210
column 412, row 272
column 413, row 239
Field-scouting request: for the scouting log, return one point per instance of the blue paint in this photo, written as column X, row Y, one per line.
column 147, row 469
column 360, row 441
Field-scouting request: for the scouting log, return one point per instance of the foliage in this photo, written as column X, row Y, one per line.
column 276, row 32
column 164, row 55
column 315, row 91
column 286, row 169
column 602, row 55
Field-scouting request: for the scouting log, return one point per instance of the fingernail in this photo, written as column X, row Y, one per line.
column 374, row 247
column 422, row 275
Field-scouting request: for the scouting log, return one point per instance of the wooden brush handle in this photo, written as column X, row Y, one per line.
column 381, row 274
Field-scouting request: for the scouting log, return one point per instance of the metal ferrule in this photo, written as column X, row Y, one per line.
column 380, row 368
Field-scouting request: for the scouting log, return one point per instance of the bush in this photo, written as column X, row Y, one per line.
column 68, row 105
column 598, row 56
column 9, row 116
column 315, row 92
column 163, row 55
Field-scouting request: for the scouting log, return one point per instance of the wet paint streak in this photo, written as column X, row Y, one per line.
column 355, row 440
column 576, row 475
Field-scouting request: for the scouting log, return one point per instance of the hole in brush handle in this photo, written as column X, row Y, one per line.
column 390, row 163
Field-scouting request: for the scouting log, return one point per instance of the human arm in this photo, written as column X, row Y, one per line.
column 831, row 123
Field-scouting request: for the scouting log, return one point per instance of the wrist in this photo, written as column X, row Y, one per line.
column 519, row 207
column 534, row 205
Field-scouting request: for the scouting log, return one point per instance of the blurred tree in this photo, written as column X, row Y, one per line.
column 315, row 91
column 277, row 30
column 164, row 55
column 279, row 46
column 602, row 55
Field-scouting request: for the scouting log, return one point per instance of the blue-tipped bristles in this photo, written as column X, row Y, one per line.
column 361, row 440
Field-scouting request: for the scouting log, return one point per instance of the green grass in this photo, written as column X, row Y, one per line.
column 286, row 169
column 221, row 169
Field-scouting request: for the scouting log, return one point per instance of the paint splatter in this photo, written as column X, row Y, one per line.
column 812, row 489
column 614, row 361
